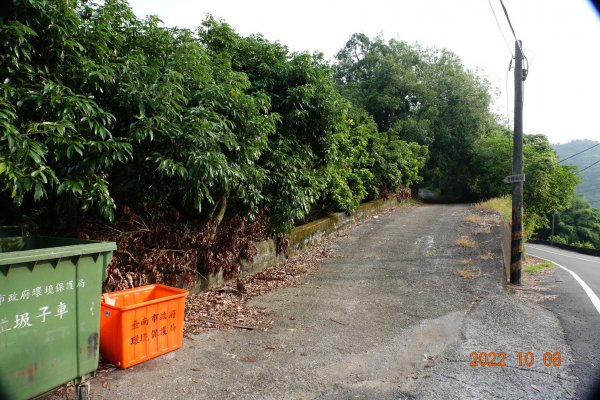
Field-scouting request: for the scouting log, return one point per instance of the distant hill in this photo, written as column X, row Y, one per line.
column 590, row 186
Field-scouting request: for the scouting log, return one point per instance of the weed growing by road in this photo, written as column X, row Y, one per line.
column 468, row 274
column 500, row 204
column 465, row 241
column 536, row 267
column 465, row 261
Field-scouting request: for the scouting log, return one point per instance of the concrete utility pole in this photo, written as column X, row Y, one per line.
column 516, row 251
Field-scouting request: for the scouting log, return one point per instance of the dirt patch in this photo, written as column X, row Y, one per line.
column 535, row 286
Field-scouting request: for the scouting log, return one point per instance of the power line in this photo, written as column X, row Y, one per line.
column 513, row 32
column 500, row 29
column 589, row 166
column 509, row 23
column 582, row 151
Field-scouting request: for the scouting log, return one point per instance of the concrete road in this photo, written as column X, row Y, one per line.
column 577, row 310
column 401, row 312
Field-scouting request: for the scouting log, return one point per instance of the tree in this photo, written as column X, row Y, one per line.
column 548, row 187
column 57, row 142
column 318, row 154
column 419, row 95
column 580, row 223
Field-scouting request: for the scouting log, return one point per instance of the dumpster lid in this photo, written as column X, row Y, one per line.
column 38, row 248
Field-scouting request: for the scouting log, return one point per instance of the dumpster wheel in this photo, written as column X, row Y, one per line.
column 83, row 391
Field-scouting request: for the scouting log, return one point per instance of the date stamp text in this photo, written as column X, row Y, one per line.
column 521, row 359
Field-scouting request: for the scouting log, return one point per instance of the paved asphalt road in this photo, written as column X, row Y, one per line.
column 576, row 311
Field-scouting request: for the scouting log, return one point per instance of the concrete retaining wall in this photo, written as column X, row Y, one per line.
column 305, row 235
column 300, row 238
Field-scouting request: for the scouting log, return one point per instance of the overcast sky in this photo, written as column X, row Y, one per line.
column 561, row 39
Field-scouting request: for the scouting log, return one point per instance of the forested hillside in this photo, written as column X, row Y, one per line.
column 186, row 146
column 590, row 184
column 579, row 224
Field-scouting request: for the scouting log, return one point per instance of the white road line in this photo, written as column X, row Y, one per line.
column 562, row 254
column 595, row 300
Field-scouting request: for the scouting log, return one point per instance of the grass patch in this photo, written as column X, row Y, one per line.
column 465, row 241
column 482, row 222
column 464, row 261
column 502, row 205
column 467, row 273
column 536, row 267
column 475, row 219
column 487, row 256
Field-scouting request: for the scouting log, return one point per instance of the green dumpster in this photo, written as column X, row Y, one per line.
column 49, row 312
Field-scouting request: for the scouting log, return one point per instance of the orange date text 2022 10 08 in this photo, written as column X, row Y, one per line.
column 521, row 359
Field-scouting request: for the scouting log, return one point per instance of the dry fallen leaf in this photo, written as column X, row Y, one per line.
column 226, row 304
column 248, row 359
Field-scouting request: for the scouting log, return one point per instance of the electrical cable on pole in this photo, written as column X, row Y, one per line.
column 500, row 29
column 513, row 31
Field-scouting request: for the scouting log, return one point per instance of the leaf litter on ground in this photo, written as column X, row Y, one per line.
column 226, row 307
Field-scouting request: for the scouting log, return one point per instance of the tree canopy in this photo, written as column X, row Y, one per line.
column 420, row 95
column 101, row 108
column 548, row 186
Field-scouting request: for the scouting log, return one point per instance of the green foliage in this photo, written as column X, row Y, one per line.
column 548, row 186
column 590, row 182
column 579, row 225
column 100, row 107
column 323, row 150
column 199, row 133
column 56, row 139
column 558, row 239
column 418, row 95
column 584, row 245
column 397, row 162
column 536, row 267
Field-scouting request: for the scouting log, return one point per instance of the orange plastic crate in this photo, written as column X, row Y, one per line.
column 141, row 323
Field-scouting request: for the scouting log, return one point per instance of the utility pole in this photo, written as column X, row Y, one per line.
column 552, row 236
column 516, row 250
